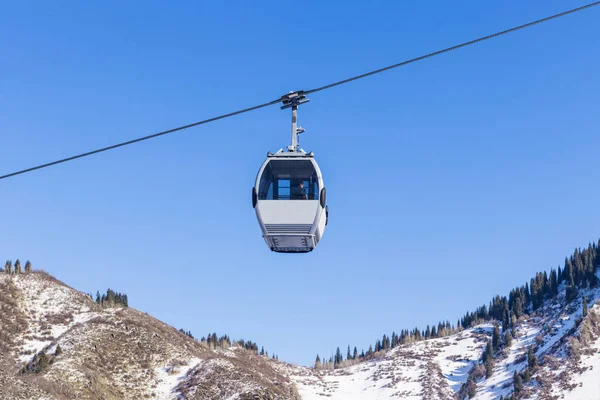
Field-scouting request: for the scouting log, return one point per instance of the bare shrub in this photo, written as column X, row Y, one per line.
column 521, row 358
column 59, row 319
column 539, row 340
column 574, row 348
column 178, row 362
column 172, row 370
column 478, row 372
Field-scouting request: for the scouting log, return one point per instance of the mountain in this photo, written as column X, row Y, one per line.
column 565, row 344
column 58, row 343
column 113, row 352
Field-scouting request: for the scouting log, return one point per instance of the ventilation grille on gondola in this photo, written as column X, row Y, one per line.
column 288, row 228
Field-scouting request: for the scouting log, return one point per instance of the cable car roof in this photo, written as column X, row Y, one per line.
column 290, row 154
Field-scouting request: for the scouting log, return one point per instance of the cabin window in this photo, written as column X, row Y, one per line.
column 289, row 180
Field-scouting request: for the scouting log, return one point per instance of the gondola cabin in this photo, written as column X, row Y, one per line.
column 290, row 202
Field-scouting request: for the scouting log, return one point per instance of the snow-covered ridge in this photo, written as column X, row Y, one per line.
column 123, row 353
column 428, row 369
column 110, row 352
column 437, row 368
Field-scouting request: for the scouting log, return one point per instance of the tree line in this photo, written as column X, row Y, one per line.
column 111, row 299
column 213, row 342
column 15, row 269
column 578, row 272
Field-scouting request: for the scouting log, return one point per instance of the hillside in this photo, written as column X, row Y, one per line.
column 120, row 353
column 113, row 353
column 566, row 346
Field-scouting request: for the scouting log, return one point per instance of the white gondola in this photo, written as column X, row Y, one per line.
column 289, row 195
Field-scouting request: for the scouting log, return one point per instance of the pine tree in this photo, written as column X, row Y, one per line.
column 578, row 268
column 553, row 283
column 471, row 387
column 489, row 367
column 559, row 275
column 110, row 295
column 318, row 362
column 262, row 351
column 566, row 270
column 585, row 306
column 496, row 338
column 592, row 278
column 517, row 382
column 27, row 266
column 58, row 351
column 43, row 361
column 355, row 355
column 348, row 354
column 489, row 352
column 17, row 266
column 8, row 267
column 534, row 294
column 98, row 299
column 531, row 358
column 505, row 319
column 507, row 339
column 338, row 357
column 571, row 288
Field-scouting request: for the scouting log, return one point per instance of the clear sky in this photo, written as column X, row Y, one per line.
column 449, row 181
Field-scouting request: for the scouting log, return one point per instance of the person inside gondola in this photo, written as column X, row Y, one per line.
column 298, row 192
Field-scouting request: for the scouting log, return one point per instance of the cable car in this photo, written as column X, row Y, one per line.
column 289, row 194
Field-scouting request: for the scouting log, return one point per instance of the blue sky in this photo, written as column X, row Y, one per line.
column 449, row 181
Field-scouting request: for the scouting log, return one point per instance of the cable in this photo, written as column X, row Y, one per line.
column 303, row 92
column 539, row 21
column 89, row 153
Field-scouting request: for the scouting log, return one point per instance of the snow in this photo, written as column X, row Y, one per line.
column 500, row 383
column 406, row 372
column 230, row 352
column 456, row 360
column 228, row 387
column 167, row 381
column 409, row 371
column 44, row 299
column 588, row 384
column 435, row 368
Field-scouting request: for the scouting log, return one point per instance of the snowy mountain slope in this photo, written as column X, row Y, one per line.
column 437, row 368
column 548, row 331
column 431, row 369
column 109, row 353
column 121, row 353
column 12, row 322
